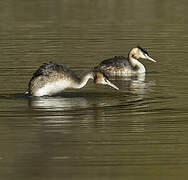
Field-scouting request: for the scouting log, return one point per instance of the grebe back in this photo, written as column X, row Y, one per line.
column 125, row 66
column 52, row 78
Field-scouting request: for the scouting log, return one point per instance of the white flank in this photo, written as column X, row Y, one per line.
column 53, row 88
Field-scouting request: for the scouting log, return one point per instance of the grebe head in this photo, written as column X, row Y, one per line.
column 101, row 78
column 139, row 52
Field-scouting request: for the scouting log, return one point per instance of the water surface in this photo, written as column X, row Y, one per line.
column 139, row 132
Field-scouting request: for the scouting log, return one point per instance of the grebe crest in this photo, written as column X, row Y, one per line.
column 52, row 78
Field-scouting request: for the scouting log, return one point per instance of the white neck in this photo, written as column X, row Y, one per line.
column 141, row 68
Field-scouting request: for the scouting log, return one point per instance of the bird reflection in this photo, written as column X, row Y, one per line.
column 134, row 84
column 57, row 103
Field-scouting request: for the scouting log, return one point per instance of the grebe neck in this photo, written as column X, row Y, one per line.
column 82, row 81
column 136, row 64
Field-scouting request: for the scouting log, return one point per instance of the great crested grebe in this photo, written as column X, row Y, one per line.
column 51, row 78
column 125, row 66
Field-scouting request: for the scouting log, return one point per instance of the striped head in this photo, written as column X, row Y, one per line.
column 101, row 78
column 139, row 52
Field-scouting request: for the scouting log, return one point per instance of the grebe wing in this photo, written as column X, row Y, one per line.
column 50, row 67
column 115, row 61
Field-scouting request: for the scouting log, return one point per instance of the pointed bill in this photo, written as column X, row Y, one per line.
column 111, row 84
column 149, row 58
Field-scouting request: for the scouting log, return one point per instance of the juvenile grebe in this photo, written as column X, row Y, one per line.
column 125, row 66
column 51, row 78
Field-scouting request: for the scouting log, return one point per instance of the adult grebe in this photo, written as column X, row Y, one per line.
column 125, row 66
column 51, row 78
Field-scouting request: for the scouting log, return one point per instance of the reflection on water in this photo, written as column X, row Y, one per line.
column 57, row 103
column 139, row 132
column 134, row 84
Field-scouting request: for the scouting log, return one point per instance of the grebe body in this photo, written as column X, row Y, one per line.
column 125, row 66
column 52, row 78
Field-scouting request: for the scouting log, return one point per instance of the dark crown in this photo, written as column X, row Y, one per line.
column 143, row 50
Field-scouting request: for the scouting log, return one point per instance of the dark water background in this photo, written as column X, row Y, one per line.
column 97, row 133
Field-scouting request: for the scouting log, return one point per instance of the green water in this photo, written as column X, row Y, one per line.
column 97, row 133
